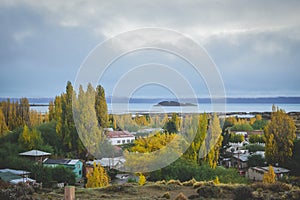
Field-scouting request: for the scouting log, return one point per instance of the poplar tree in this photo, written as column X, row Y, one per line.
column 280, row 134
column 101, row 107
column 3, row 126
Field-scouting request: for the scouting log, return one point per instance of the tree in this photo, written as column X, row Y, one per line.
column 142, row 179
column 101, row 107
column 97, row 178
column 213, row 141
column 3, row 126
column 256, row 138
column 242, row 127
column 270, row 176
column 255, row 160
column 30, row 139
column 236, row 138
column 280, row 134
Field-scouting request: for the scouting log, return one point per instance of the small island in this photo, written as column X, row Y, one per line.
column 174, row 103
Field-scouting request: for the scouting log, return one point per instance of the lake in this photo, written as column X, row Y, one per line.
column 119, row 108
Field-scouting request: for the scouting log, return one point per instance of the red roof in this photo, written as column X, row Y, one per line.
column 119, row 134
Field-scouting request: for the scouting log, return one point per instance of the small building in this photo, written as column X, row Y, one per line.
column 74, row 164
column 257, row 173
column 120, row 137
column 13, row 176
column 35, row 155
column 110, row 163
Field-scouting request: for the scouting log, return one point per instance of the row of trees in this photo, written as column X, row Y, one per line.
column 61, row 111
column 15, row 114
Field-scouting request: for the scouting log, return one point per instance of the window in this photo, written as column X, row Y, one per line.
column 79, row 172
column 132, row 140
column 128, row 141
column 119, row 141
column 123, row 141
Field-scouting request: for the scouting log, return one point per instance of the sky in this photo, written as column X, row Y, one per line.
column 255, row 45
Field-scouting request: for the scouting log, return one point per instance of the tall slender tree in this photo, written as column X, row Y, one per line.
column 101, row 107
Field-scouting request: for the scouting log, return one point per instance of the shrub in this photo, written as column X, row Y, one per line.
column 174, row 182
column 181, row 196
column 190, row 182
column 166, row 195
column 242, row 193
column 142, row 179
column 209, row 191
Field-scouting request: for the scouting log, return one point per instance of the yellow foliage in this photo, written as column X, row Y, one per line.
column 97, row 178
column 270, row 176
column 216, row 181
column 142, row 179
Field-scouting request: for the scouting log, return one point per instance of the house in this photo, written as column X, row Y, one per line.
column 257, row 173
column 74, row 164
column 120, row 137
column 35, row 155
column 111, row 163
column 13, row 176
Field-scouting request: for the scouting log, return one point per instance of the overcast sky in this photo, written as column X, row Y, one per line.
column 254, row 44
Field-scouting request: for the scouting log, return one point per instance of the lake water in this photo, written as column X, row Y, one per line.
column 119, row 108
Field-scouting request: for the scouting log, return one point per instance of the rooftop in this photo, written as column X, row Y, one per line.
column 61, row 161
column 35, row 153
column 119, row 134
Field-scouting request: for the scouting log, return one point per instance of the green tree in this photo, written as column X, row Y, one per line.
column 30, row 139
column 101, row 107
column 235, row 138
column 242, row 127
column 256, row 138
column 280, row 134
column 255, row 160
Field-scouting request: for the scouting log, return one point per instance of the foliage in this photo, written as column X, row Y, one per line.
column 259, row 124
column 270, row 176
column 213, row 141
column 236, row 138
column 193, row 170
column 280, row 134
column 142, row 179
column 192, row 152
column 3, row 125
column 30, row 139
column 242, row 193
column 101, row 107
column 255, row 147
column 97, row 178
column 256, row 138
column 216, row 180
column 294, row 162
column 63, row 175
column 255, row 160
column 173, row 125
column 242, row 127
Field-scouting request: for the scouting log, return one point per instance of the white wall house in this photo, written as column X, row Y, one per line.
column 120, row 137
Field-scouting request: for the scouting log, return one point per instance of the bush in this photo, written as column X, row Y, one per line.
column 174, row 182
column 242, row 127
column 209, row 191
column 242, row 193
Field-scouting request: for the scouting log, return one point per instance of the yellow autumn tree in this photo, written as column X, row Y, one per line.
column 270, row 176
column 142, row 179
column 97, row 178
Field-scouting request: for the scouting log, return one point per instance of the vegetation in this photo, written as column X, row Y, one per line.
column 97, row 178
column 142, row 179
column 236, row 138
column 280, row 135
column 270, row 176
column 256, row 138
